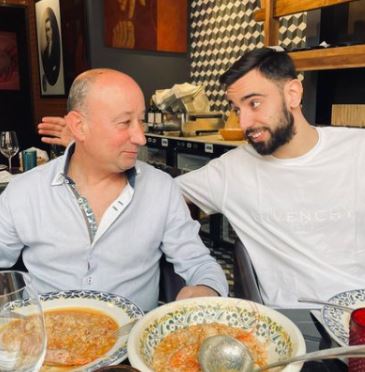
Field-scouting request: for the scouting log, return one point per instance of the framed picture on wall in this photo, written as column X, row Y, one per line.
column 74, row 25
column 9, row 61
column 155, row 25
column 50, row 55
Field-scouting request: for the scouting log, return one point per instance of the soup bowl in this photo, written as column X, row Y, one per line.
column 118, row 308
column 279, row 336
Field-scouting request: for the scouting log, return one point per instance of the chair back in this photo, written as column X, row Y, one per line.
column 18, row 266
column 170, row 282
column 245, row 279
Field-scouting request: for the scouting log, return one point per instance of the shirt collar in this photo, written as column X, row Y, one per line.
column 62, row 168
column 61, row 172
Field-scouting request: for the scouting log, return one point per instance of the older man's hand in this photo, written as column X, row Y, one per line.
column 195, row 291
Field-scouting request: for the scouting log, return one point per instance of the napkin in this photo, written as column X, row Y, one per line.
column 5, row 176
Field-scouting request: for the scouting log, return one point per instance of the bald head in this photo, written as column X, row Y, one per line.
column 106, row 111
column 96, row 80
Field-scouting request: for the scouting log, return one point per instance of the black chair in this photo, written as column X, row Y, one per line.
column 245, row 278
column 170, row 282
column 19, row 265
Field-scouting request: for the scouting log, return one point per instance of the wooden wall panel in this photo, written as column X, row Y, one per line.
column 348, row 115
column 41, row 106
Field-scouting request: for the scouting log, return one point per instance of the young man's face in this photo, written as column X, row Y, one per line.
column 262, row 111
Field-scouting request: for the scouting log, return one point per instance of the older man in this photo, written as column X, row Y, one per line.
column 96, row 218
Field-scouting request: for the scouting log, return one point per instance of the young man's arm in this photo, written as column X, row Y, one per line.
column 54, row 131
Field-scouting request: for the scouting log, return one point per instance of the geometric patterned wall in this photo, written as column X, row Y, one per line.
column 221, row 31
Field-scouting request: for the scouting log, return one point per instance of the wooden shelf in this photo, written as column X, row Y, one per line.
column 286, row 7
column 315, row 59
column 330, row 58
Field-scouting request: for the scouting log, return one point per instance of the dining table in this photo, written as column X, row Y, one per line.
column 316, row 338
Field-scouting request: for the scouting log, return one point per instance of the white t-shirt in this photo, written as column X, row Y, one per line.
column 302, row 219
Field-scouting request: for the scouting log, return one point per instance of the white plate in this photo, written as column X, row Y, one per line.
column 119, row 308
column 336, row 321
column 3, row 166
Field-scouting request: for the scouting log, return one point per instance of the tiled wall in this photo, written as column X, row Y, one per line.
column 221, row 30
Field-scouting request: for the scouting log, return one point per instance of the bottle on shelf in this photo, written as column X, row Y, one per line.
column 150, row 115
column 158, row 116
column 181, row 116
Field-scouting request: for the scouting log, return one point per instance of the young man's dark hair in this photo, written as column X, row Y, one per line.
column 272, row 64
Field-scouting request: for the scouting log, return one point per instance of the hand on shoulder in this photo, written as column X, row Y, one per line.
column 54, row 131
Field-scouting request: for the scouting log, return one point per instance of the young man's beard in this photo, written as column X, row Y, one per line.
column 279, row 136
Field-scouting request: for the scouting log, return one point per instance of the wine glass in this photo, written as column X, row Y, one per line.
column 9, row 145
column 22, row 327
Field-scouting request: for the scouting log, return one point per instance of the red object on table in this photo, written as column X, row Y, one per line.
column 357, row 337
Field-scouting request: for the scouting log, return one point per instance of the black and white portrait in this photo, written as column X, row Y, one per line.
column 50, row 47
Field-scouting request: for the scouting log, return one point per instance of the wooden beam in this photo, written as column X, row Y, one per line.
column 286, row 7
column 271, row 25
column 330, row 58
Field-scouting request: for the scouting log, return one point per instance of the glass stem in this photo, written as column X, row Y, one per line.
column 9, row 164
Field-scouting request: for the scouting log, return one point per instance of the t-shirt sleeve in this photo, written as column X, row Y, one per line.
column 205, row 186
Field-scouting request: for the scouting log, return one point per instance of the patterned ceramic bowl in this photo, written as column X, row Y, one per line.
column 119, row 308
column 281, row 337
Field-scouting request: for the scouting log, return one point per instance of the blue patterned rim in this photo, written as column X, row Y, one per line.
column 336, row 321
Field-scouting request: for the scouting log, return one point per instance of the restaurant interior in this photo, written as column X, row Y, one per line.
column 178, row 66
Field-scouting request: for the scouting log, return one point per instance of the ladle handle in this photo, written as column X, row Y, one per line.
column 357, row 351
column 320, row 302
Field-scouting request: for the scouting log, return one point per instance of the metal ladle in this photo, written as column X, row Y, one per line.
column 226, row 354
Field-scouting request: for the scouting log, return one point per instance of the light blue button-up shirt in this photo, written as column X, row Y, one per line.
column 39, row 211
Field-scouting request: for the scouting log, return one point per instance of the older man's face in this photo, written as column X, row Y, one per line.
column 115, row 113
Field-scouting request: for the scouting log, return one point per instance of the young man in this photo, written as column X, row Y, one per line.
column 295, row 194
column 96, row 218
